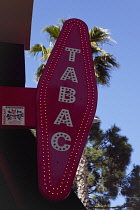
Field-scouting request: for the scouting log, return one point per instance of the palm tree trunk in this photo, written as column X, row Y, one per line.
column 81, row 181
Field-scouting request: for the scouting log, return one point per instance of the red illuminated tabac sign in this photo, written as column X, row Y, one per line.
column 62, row 109
column 65, row 106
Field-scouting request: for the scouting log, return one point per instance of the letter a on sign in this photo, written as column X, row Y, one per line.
column 65, row 105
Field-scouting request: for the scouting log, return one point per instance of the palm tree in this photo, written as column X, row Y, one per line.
column 103, row 61
column 103, row 64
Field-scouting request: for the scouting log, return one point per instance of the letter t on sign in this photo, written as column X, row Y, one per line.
column 73, row 52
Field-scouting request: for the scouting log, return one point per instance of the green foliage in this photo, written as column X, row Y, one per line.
column 100, row 35
column 39, row 72
column 131, row 189
column 53, row 31
column 108, row 154
column 39, row 48
column 102, row 65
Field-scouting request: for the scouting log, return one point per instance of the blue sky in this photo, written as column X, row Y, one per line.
column 118, row 104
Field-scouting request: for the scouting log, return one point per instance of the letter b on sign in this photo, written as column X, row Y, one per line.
column 67, row 95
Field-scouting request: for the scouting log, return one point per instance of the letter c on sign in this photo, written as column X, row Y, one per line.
column 54, row 141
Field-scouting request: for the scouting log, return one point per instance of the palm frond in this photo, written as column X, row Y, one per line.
column 35, row 49
column 46, row 54
column 62, row 21
column 53, row 30
column 103, row 65
column 39, row 48
column 96, row 49
column 103, row 61
column 102, row 74
column 100, row 35
column 39, row 71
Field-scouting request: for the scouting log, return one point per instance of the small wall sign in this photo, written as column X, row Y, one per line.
column 13, row 115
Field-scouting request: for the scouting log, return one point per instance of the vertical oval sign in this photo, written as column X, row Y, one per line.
column 65, row 105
